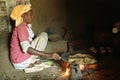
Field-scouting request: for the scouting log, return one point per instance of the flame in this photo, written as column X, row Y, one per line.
column 82, row 67
column 65, row 69
column 67, row 72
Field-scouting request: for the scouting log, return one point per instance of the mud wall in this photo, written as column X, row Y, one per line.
column 48, row 13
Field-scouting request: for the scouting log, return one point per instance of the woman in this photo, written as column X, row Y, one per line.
column 24, row 50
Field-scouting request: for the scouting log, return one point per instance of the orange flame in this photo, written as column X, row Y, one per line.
column 82, row 67
column 67, row 72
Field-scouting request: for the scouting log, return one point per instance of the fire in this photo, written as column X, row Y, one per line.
column 67, row 73
column 65, row 69
column 82, row 67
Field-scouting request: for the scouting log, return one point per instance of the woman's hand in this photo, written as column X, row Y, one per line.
column 54, row 56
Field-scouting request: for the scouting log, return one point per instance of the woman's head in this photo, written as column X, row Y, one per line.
column 21, row 13
column 27, row 17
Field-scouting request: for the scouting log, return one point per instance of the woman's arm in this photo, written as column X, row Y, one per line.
column 35, row 52
column 43, row 54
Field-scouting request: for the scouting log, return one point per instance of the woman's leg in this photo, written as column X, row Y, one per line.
column 40, row 42
column 25, row 64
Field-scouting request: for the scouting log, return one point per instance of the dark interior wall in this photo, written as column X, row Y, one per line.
column 48, row 13
column 87, row 18
column 101, row 12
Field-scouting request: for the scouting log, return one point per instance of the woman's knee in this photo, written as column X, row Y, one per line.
column 43, row 34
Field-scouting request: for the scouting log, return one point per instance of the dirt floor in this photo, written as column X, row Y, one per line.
column 107, row 69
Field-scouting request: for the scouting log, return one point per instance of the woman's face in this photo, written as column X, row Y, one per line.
column 27, row 17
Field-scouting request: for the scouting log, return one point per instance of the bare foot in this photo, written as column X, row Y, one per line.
column 37, row 62
column 30, row 66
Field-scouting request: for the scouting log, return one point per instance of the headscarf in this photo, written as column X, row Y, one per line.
column 18, row 11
